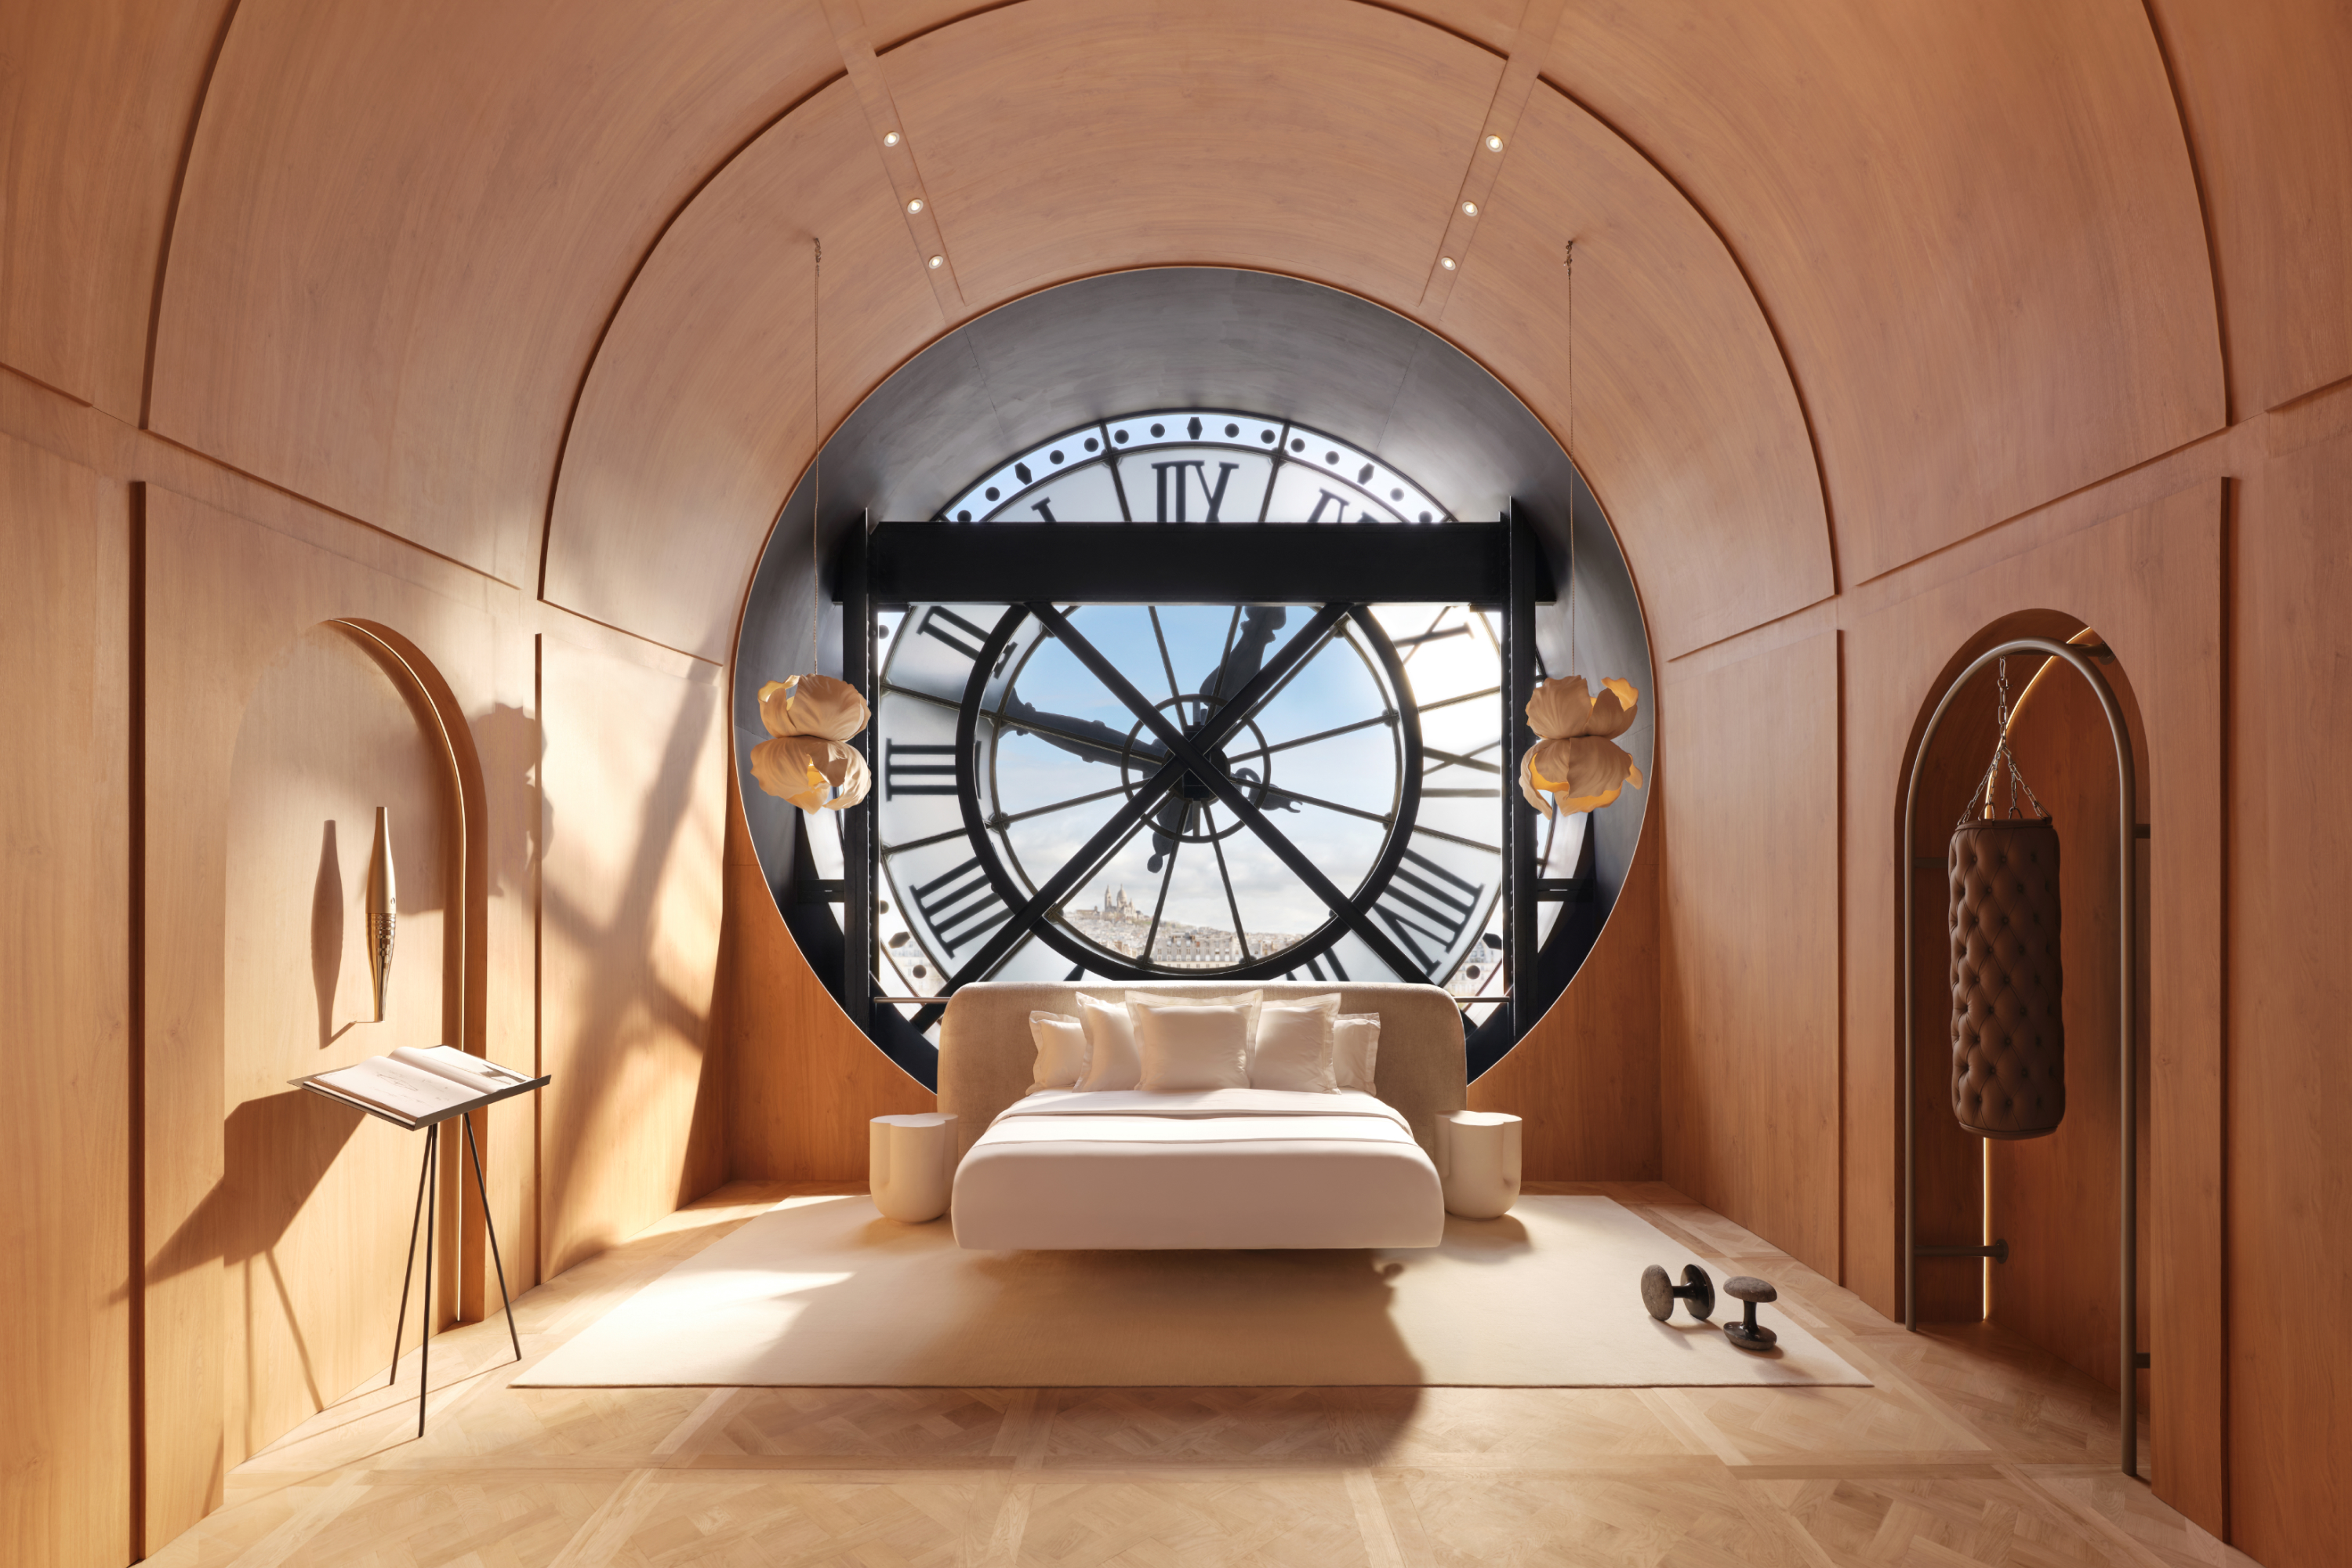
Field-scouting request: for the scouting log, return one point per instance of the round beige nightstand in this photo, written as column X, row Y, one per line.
column 910, row 1165
column 1479, row 1162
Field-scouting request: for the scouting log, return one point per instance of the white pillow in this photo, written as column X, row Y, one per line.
column 1061, row 1050
column 1111, row 1061
column 1247, row 1000
column 1292, row 1049
column 1355, row 1045
column 1189, row 1048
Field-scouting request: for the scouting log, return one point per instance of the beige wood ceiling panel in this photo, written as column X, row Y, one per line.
column 99, row 94
column 404, row 228
column 1975, row 227
column 1683, row 419
column 695, row 421
column 1490, row 23
column 1060, row 138
column 2265, row 106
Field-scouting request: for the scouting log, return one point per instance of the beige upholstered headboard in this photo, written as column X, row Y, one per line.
column 986, row 1054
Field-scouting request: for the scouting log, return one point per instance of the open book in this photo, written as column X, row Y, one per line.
column 415, row 1084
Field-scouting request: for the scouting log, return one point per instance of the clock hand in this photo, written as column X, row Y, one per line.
column 1091, row 740
column 1248, row 652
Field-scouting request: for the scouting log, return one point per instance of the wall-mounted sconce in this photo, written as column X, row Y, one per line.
column 383, row 908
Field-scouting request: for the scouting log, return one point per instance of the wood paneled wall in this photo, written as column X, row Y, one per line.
column 801, row 1081
column 66, row 1043
column 1748, row 766
column 2289, row 1075
column 633, row 1125
column 1585, row 1081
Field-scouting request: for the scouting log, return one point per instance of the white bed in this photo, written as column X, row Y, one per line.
column 1244, row 1168
column 1229, row 1168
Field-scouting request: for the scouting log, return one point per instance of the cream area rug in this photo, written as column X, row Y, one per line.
column 824, row 1291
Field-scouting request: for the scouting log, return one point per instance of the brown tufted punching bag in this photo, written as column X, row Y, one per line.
column 2009, row 1031
column 2009, row 1026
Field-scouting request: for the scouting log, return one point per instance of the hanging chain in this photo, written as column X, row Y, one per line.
column 2002, row 757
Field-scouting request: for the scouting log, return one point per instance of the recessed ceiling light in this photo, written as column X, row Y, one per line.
column 938, row 262
column 1471, row 208
column 1447, row 262
column 1494, row 144
column 892, row 139
column 916, row 205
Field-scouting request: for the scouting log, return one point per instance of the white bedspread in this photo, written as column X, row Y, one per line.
column 1224, row 1168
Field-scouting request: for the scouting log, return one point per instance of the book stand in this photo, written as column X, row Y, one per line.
column 424, row 1216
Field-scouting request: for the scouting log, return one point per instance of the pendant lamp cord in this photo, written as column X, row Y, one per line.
column 1568, row 260
column 816, row 459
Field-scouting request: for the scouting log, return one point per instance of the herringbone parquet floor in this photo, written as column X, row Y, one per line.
column 1971, row 1450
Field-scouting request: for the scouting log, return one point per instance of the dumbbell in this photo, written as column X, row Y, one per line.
column 1659, row 1292
column 1749, row 1336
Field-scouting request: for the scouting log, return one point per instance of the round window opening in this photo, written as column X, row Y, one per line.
column 1067, row 791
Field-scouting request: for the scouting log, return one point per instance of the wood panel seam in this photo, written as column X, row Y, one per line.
column 872, row 85
column 1538, row 24
column 1771, row 322
column 171, row 210
column 621, row 298
column 2204, row 212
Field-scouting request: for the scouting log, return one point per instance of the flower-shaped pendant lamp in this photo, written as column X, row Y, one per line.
column 1579, row 764
column 810, row 761
column 812, row 718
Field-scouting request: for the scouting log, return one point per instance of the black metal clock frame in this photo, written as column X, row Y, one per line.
column 1034, row 568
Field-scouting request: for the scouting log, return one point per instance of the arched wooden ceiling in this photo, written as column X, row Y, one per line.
column 1855, row 281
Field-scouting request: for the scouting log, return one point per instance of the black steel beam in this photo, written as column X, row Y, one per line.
column 857, row 835
column 1200, row 564
column 1520, row 871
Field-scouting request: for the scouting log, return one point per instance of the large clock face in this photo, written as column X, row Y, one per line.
column 1119, row 791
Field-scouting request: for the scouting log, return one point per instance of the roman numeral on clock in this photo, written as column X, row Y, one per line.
column 916, row 770
column 936, row 623
column 1426, row 908
column 960, row 905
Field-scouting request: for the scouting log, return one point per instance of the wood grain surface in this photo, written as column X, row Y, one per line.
column 100, row 100
column 1986, row 264
column 2264, row 111
column 2290, row 992
column 1672, row 396
column 695, row 422
column 634, row 1122
column 1750, row 1034
column 404, row 229
column 1585, row 1081
column 66, row 1044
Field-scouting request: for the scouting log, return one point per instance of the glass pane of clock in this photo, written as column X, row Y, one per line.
column 1195, row 484
column 1085, row 495
column 1308, row 491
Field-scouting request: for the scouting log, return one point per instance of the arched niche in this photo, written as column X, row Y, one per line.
column 2054, row 1199
column 347, row 717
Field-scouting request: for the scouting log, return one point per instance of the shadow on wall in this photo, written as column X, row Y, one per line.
column 613, row 1001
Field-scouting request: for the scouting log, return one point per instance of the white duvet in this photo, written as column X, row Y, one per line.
column 1219, row 1168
